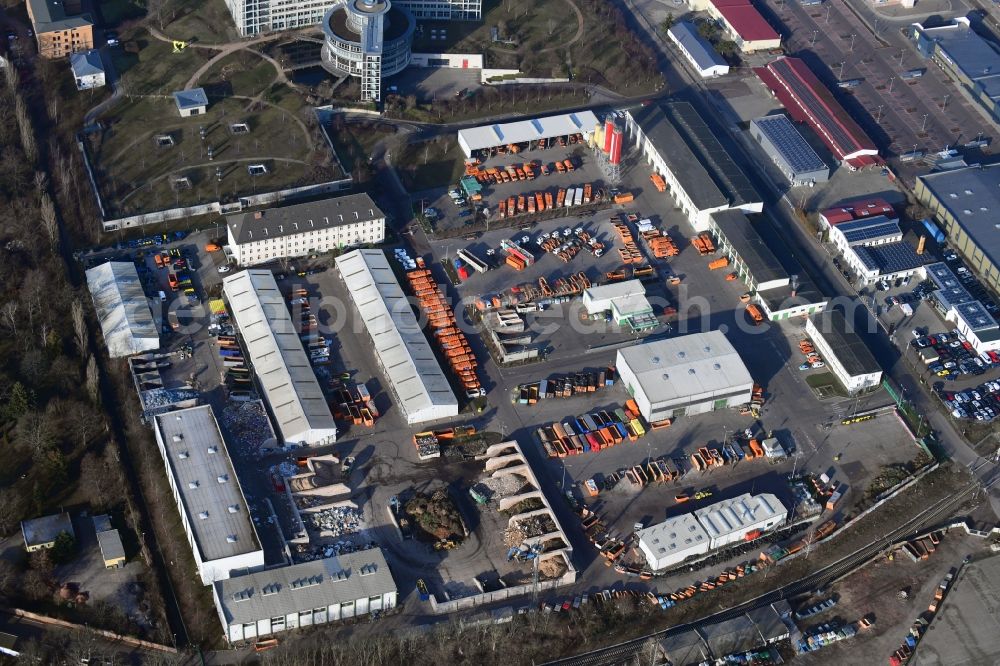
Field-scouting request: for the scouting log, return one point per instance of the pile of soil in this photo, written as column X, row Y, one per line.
column 436, row 516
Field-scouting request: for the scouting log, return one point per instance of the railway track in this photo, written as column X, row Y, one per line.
column 626, row 651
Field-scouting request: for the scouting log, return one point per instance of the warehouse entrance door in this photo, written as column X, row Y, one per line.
column 720, row 404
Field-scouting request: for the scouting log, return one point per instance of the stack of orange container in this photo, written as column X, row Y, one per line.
column 630, row 253
column 450, row 339
column 661, row 244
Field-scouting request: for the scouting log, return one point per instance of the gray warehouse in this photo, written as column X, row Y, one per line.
column 789, row 150
column 691, row 374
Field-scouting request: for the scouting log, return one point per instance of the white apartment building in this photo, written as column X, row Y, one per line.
column 299, row 230
column 253, row 17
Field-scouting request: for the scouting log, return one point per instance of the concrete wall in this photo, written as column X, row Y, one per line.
column 447, row 60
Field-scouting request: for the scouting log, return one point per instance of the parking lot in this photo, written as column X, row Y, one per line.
column 926, row 113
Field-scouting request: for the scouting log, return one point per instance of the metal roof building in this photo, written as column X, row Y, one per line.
column 845, row 353
column 626, row 300
column 702, row 56
column 209, row 498
column 301, row 595
column 854, row 210
column 122, row 309
column 690, row 374
column 748, row 27
column 808, row 100
column 965, row 203
column 750, row 257
column 701, row 174
column 956, row 304
column 971, row 61
column 729, row 521
column 411, row 368
column 787, row 148
column 279, row 361
column 524, row 131
column 673, row 541
column 41, row 532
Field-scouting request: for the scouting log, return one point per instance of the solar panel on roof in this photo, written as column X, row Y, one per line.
column 870, row 232
column 976, row 315
column 537, row 125
column 789, row 142
column 889, row 258
column 498, row 132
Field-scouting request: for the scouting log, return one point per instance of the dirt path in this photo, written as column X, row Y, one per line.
column 579, row 30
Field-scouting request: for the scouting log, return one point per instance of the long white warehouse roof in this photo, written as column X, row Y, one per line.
column 501, row 134
column 693, row 366
column 122, row 308
column 198, row 460
column 406, row 357
column 739, row 514
column 279, row 361
column 675, row 539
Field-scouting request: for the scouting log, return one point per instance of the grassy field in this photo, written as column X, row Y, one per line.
column 241, row 73
column 435, row 163
column 204, row 21
column 137, row 175
column 156, row 69
column 551, row 39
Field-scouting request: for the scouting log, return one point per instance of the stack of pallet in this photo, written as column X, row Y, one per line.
column 450, row 339
column 660, row 244
column 630, row 251
column 526, row 293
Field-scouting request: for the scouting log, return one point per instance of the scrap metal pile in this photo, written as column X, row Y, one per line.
column 337, row 521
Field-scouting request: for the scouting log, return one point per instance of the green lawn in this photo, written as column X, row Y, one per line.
column 156, row 69
column 116, row 11
column 204, row 21
column 241, row 73
column 548, row 39
column 136, row 175
column 435, row 163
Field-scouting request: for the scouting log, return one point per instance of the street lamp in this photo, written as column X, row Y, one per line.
column 878, row 116
column 841, row 74
column 901, row 52
column 853, row 37
column 892, row 80
column 923, row 125
column 813, row 42
column 944, row 105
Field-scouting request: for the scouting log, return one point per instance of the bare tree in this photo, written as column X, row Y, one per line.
column 50, row 224
column 93, row 379
column 28, row 144
column 9, row 314
column 79, row 326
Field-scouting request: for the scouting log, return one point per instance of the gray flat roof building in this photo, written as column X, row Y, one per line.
column 299, row 595
column 209, row 498
column 193, row 98
column 41, row 532
column 303, row 217
column 844, row 352
column 54, row 16
column 701, row 165
column 751, row 257
column 690, row 374
column 966, row 200
column 970, row 60
column 788, row 149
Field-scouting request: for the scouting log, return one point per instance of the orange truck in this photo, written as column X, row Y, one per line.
column 624, row 198
column 755, row 314
column 658, row 182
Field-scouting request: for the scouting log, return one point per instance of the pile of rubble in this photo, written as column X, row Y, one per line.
column 248, row 425
column 309, row 553
column 554, row 567
column 496, row 488
column 337, row 521
column 528, row 528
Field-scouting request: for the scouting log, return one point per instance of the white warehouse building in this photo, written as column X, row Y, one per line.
column 712, row 527
column 731, row 520
column 209, row 498
column 626, row 301
column 701, row 175
column 122, row 309
column 845, row 353
column 701, row 55
column 280, row 364
column 412, row 370
column 690, row 374
column 303, row 595
column 299, row 230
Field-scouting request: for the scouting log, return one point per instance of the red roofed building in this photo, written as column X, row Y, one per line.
column 856, row 210
column 747, row 27
column 808, row 100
